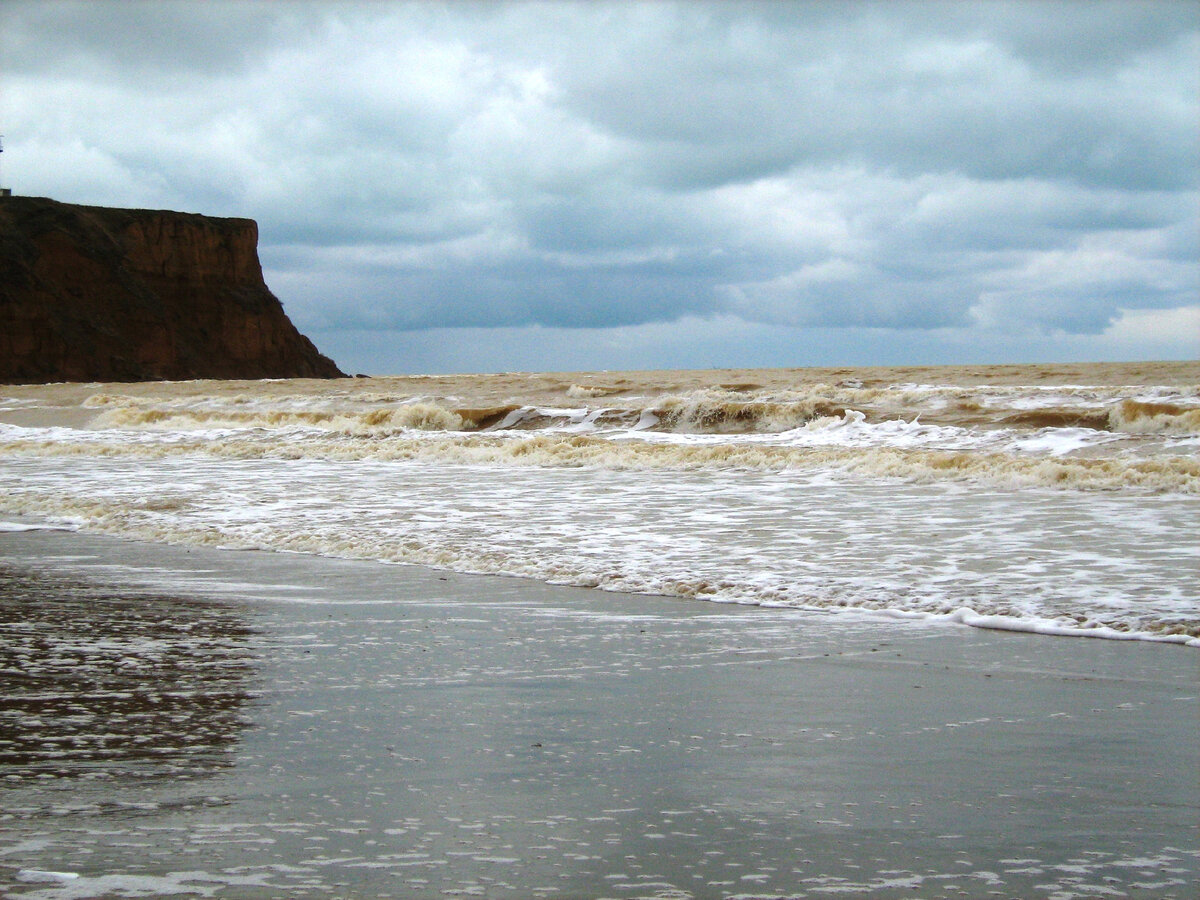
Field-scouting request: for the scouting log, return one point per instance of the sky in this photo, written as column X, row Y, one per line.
column 564, row 186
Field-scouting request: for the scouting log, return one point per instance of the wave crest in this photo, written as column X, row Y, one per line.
column 723, row 412
column 389, row 420
column 1140, row 417
column 1167, row 473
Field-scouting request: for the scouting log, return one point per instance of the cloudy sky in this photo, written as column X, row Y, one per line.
column 485, row 186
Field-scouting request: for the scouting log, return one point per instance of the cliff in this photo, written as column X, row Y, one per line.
column 95, row 294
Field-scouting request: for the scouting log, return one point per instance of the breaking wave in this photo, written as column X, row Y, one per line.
column 389, row 420
column 708, row 412
column 716, row 411
column 1173, row 473
column 1154, row 418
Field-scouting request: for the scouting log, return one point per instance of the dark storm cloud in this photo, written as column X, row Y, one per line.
column 727, row 98
column 131, row 39
column 1004, row 167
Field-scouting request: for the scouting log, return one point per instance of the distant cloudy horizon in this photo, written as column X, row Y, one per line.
column 458, row 187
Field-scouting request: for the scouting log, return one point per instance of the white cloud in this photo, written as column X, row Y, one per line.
column 1174, row 333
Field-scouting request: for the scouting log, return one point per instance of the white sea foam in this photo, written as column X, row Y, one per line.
column 35, row 526
column 774, row 539
column 1059, row 458
column 74, row 886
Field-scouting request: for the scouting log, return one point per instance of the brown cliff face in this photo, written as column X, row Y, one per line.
column 96, row 294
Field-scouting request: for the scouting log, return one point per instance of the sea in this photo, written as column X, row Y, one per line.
column 899, row 633
column 1057, row 499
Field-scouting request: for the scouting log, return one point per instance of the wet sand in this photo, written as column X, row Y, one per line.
column 195, row 722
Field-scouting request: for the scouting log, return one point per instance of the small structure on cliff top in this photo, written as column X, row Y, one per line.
column 4, row 192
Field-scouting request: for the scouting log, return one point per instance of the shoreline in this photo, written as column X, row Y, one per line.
column 963, row 616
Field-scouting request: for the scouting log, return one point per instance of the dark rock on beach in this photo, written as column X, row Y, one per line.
column 96, row 294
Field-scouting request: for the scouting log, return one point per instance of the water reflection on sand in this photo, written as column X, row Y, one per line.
column 105, row 685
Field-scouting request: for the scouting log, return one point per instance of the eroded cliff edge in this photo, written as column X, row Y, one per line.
column 96, row 294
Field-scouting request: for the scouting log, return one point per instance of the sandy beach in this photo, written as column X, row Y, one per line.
column 357, row 729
